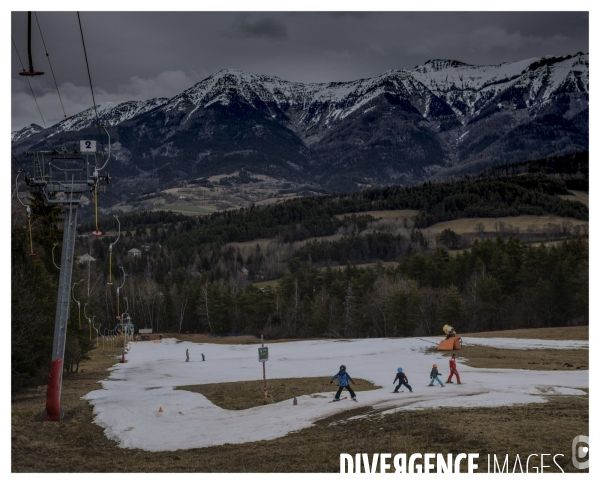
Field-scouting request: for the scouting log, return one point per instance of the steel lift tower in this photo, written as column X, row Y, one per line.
column 62, row 177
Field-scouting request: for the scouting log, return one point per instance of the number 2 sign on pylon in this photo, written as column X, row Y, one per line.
column 87, row 146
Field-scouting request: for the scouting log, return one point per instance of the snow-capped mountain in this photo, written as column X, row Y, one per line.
column 400, row 126
column 464, row 88
column 110, row 114
column 26, row 132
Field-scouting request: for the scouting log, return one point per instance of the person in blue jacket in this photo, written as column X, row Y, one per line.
column 402, row 380
column 434, row 376
column 343, row 379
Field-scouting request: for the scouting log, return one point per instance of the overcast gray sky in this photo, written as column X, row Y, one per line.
column 140, row 55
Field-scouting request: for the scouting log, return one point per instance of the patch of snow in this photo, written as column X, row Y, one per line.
column 127, row 405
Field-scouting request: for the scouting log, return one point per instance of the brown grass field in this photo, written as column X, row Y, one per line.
column 523, row 222
column 565, row 333
column 273, row 283
column 550, row 359
column 583, row 197
column 407, row 213
column 227, row 395
column 76, row 444
column 226, row 340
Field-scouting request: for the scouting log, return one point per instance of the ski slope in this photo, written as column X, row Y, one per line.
column 127, row 406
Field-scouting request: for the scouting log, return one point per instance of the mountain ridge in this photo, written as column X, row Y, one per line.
column 401, row 126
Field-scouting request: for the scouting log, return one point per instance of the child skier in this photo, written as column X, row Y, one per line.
column 343, row 378
column 402, row 380
column 453, row 370
column 434, row 376
column 202, row 356
column 187, row 355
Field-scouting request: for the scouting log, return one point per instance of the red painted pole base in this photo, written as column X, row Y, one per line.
column 53, row 412
column 32, row 256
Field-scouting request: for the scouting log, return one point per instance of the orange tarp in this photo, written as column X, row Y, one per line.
column 450, row 344
column 446, row 345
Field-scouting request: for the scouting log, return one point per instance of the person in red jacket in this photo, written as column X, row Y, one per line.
column 453, row 370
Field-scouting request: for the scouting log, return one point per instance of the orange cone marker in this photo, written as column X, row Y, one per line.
column 160, row 409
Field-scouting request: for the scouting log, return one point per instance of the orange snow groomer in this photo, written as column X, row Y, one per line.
column 452, row 341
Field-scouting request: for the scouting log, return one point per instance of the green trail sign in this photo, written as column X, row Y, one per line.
column 263, row 354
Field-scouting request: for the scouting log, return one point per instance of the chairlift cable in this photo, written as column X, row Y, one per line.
column 27, row 78
column 50, row 63
column 87, row 64
column 89, row 76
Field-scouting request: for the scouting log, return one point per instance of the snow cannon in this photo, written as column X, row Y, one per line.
column 449, row 331
column 452, row 341
column 295, row 401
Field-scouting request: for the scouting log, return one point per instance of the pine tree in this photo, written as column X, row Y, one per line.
column 453, row 308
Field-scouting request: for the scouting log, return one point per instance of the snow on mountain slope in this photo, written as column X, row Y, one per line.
column 464, row 88
column 109, row 113
column 467, row 84
column 402, row 125
column 26, row 132
column 444, row 75
column 327, row 102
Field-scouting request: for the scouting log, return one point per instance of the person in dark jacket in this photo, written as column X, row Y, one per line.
column 434, row 376
column 187, row 355
column 402, row 380
column 453, row 370
column 343, row 379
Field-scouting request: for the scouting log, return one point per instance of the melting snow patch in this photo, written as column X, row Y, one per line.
column 127, row 405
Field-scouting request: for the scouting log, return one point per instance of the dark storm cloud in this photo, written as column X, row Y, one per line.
column 266, row 27
column 139, row 55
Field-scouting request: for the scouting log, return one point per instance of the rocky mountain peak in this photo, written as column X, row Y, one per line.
column 439, row 64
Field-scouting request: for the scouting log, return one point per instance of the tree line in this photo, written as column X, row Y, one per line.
column 190, row 274
column 303, row 218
